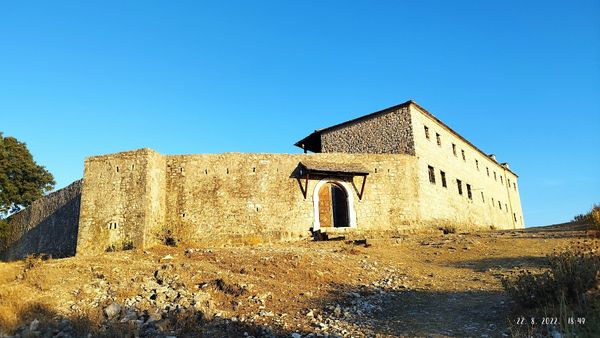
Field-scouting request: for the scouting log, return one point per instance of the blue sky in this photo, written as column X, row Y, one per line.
column 520, row 79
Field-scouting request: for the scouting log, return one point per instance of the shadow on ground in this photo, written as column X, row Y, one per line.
column 505, row 263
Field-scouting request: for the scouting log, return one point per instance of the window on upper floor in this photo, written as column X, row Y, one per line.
column 500, row 205
column 459, row 185
column 438, row 139
column 482, row 197
column 501, row 181
column 515, row 186
column 431, row 174
column 515, row 216
column 495, row 178
column 477, row 164
column 469, row 195
column 463, row 155
column 454, row 149
column 426, row 132
column 487, row 169
column 506, row 207
column 443, row 175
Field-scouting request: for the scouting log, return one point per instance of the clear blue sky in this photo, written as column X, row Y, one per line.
column 518, row 78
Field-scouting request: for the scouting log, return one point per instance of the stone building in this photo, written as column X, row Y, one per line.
column 393, row 170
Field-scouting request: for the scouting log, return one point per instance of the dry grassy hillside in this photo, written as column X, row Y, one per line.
column 431, row 284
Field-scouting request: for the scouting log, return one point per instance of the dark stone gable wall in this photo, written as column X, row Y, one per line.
column 387, row 133
column 48, row 226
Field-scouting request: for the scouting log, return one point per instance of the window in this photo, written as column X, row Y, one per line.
column 515, row 216
column 443, row 175
column 469, row 195
column 487, row 169
column 501, row 180
column 438, row 138
column 477, row 164
column 454, row 149
column 506, row 207
column 482, row 197
column 459, row 185
column 495, row 178
column 492, row 201
column 426, row 132
column 500, row 205
column 463, row 155
column 508, row 182
column 431, row 174
column 515, row 186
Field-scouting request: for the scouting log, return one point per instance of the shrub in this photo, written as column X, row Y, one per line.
column 571, row 274
column 4, row 229
column 167, row 237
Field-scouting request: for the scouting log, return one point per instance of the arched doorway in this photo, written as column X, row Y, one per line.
column 333, row 206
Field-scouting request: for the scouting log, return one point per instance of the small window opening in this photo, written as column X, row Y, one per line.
column 117, row 168
column 206, row 171
column 500, row 205
column 495, row 178
column 227, row 171
column 515, row 186
column 253, row 169
column 501, row 180
column 469, row 195
column 482, row 197
column 438, row 139
column 132, row 166
column 506, row 207
column 431, row 174
column 443, row 175
column 488, row 171
column 454, row 149
column 376, row 170
column 183, row 214
column 463, row 155
column 492, row 201
column 477, row 164
column 459, row 185
column 426, row 132
column 181, row 169
column 515, row 216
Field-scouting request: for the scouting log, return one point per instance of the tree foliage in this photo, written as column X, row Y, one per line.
column 22, row 181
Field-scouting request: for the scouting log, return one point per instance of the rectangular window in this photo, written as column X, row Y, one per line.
column 438, row 138
column 454, row 149
column 515, row 186
column 515, row 216
column 495, row 178
column 501, row 180
column 477, row 164
column 506, row 207
column 426, row 132
column 469, row 195
column 463, row 155
column 443, row 174
column 487, row 169
column 459, row 185
column 431, row 174
column 492, row 201
column 500, row 205
column 508, row 182
column 482, row 197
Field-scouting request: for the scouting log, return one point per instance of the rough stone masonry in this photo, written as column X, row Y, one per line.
column 397, row 169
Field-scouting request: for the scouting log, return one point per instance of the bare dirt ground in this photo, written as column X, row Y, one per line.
column 425, row 285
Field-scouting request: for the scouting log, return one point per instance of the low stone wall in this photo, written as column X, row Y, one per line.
column 49, row 226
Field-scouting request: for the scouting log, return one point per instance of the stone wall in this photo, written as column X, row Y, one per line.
column 48, row 225
column 231, row 197
column 385, row 133
column 116, row 200
column 444, row 204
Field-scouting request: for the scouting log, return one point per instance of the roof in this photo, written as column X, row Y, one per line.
column 345, row 169
column 313, row 141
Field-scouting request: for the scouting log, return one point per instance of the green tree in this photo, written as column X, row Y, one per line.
column 22, row 181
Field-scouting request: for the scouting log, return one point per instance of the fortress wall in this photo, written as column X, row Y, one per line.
column 115, row 201
column 225, row 197
column 48, row 225
column 439, row 204
column 389, row 133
